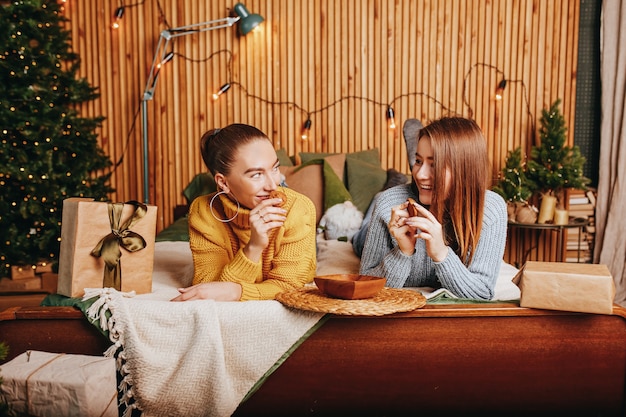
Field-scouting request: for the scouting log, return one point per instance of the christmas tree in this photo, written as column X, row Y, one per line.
column 514, row 186
column 553, row 166
column 47, row 151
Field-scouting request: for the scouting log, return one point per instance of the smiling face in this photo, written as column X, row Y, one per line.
column 254, row 173
column 424, row 172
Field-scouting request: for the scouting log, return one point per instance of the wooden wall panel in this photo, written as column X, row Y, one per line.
column 341, row 63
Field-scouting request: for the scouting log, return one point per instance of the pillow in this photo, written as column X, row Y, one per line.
column 175, row 232
column 201, row 184
column 371, row 156
column 365, row 179
column 321, row 180
column 395, row 177
column 341, row 221
column 307, row 180
column 410, row 131
column 335, row 191
column 306, row 157
column 338, row 163
column 283, row 158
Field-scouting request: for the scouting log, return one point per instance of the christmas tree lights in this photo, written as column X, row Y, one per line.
column 47, row 151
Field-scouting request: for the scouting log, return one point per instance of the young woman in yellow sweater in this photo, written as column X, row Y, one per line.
column 246, row 243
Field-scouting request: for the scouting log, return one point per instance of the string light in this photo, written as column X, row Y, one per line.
column 306, row 129
column 499, row 92
column 391, row 118
column 167, row 58
column 221, row 91
column 500, row 89
column 119, row 12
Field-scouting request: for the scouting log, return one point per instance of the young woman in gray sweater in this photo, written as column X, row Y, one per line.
column 456, row 237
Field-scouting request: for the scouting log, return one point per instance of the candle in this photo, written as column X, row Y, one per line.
column 546, row 211
column 561, row 216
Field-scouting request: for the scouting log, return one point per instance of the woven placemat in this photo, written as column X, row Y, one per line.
column 386, row 301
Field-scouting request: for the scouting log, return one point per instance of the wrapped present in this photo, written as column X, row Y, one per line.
column 585, row 288
column 22, row 272
column 106, row 245
column 55, row 384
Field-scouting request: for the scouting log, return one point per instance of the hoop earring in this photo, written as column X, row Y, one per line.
column 213, row 213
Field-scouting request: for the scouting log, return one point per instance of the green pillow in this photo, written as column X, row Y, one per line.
column 335, row 191
column 371, row 156
column 175, row 232
column 283, row 158
column 201, row 184
column 306, row 157
column 365, row 179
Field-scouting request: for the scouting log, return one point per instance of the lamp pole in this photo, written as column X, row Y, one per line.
column 161, row 57
column 248, row 21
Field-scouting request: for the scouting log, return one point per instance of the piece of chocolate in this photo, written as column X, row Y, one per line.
column 412, row 207
column 281, row 195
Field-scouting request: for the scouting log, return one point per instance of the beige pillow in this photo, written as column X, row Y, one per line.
column 307, row 180
column 338, row 164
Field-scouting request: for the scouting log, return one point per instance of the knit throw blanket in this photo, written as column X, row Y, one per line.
column 194, row 358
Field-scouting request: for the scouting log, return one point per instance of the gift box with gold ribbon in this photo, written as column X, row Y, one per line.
column 106, row 245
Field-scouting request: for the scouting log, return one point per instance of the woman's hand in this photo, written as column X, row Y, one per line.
column 263, row 218
column 406, row 230
column 400, row 230
column 218, row 291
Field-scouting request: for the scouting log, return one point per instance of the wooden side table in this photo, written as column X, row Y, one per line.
column 559, row 229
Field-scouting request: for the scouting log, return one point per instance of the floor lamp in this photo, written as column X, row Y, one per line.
column 247, row 22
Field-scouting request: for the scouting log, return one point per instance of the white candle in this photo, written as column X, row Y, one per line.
column 561, row 216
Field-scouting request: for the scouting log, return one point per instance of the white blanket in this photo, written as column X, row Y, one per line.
column 195, row 358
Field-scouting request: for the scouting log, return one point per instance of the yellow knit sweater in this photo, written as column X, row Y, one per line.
column 287, row 262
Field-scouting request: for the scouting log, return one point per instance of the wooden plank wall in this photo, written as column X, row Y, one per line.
column 341, row 63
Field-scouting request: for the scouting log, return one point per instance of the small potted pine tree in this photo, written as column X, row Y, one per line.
column 516, row 188
column 554, row 167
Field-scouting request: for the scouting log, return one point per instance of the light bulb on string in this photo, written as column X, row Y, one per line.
column 167, row 58
column 119, row 12
column 306, row 129
column 221, row 91
column 500, row 89
column 391, row 118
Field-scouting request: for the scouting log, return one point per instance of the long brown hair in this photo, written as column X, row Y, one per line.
column 459, row 147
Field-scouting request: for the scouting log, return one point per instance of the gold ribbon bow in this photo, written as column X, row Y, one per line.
column 109, row 246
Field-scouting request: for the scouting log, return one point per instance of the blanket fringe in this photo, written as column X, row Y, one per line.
column 129, row 410
column 98, row 312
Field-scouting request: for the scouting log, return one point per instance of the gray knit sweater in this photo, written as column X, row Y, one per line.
column 382, row 257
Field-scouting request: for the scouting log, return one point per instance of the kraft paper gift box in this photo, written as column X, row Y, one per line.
column 55, row 384
column 90, row 228
column 585, row 288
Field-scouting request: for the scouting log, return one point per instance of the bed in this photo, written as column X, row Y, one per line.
column 450, row 357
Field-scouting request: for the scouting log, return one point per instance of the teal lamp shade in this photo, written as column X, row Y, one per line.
column 248, row 21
